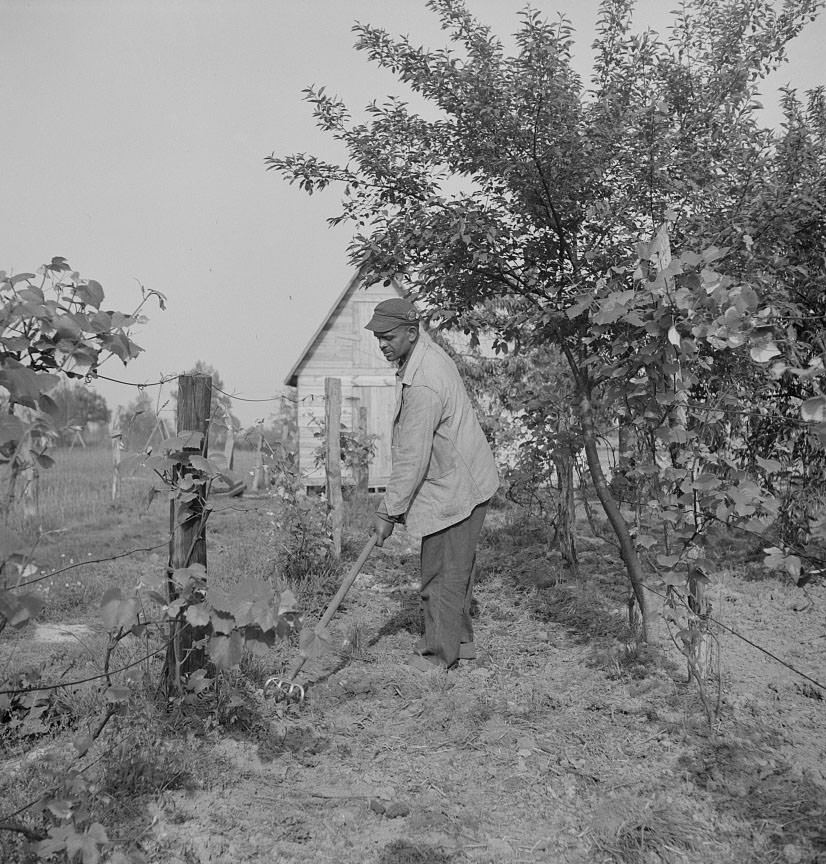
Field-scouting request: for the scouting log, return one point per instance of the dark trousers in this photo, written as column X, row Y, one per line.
column 448, row 563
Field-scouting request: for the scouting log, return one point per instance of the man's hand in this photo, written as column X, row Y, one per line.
column 382, row 528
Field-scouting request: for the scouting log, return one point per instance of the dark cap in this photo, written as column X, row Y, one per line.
column 392, row 313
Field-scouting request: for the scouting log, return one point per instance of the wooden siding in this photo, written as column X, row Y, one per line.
column 344, row 349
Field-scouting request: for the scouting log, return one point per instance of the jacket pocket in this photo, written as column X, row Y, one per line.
column 442, row 459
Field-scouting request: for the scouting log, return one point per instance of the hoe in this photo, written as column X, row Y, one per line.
column 313, row 641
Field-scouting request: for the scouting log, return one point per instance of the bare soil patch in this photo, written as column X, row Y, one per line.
column 553, row 745
column 559, row 743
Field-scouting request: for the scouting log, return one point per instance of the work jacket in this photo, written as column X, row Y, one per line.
column 442, row 465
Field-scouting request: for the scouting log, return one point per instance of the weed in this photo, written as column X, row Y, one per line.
column 143, row 763
column 786, row 807
column 584, row 611
column 661, row 830
column 624, row 660
column 354, row 646
column 406, row 852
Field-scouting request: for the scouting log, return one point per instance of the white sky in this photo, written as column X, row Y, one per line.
column 133, row 142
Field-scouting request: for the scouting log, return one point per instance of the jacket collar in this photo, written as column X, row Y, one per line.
column 414, row 360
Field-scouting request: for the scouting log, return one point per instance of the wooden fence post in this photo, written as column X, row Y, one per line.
column 187, row 526
column 229, row 445
column 332, row 462
column 259, row 477
column 364, row 477
column 116, row 434
column 31, row 492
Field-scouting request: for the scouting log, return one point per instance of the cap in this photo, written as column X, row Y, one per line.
column 392, row 313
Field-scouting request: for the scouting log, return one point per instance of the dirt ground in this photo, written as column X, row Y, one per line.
column 561, row 742
column 557, row 744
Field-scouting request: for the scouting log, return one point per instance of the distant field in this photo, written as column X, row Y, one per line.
column 78, row 489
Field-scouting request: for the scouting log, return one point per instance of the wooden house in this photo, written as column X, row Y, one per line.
column 341, row 348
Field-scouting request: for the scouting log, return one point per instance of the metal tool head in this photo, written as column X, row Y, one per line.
column 283, row 688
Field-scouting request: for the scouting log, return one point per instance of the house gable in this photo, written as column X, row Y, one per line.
column 340, row 345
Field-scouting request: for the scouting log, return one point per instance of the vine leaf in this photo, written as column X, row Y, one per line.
column 225, row 651
column 117, row 610
column 814, row 409
column 198, row 615
column 313, row 643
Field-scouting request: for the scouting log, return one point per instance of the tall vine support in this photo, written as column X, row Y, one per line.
column 332, row 461
column 188, row 514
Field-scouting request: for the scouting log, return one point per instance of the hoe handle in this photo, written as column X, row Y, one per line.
column 347, row 583
column 345, row 586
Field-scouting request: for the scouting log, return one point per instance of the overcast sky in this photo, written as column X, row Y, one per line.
column 134, row 134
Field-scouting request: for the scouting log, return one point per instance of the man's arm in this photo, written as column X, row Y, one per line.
column 420, row 415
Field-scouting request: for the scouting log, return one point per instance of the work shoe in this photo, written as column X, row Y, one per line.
column 425, row 663
column 467, row 650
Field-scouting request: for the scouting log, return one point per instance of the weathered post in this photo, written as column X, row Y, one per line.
column 259, row 477
column 332, row 461
column 31, row 492
column 187, row 523
column 229, row 445
column 116, row 434
column 364, row 477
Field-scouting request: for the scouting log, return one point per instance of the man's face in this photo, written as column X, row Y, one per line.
column 397, row 343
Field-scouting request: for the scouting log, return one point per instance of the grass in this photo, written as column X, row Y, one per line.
column 658, row 830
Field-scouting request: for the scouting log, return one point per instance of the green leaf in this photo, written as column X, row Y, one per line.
column 198, row 615
column 17, row 609
column 90, row 292
column 118, row 611
column 675, row 578
column 287, row 602
column 21, row 277
column 222, row 623
column 314, row 643
column 706, row 482
column 226, row 651
column 116, row 694
column 764, row 350
column 207, row 466
column 581, row 304
column 82, row 742
column 647, row 541
column 814, row 410
column 24, row 385
column 61, row 808
column 45, row 461
column 770, row 466
column 11, row 428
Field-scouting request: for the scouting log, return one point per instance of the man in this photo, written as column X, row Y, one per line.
column 442, row 477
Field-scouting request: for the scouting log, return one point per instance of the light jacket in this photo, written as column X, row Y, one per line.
column 442, row 465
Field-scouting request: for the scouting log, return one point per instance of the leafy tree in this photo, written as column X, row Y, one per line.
column 546, row 212
column 139, row 422
column 77, row 407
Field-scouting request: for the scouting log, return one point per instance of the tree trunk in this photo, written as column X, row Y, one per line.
column 187, row 531
column 563, row 459
column 633, row 568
